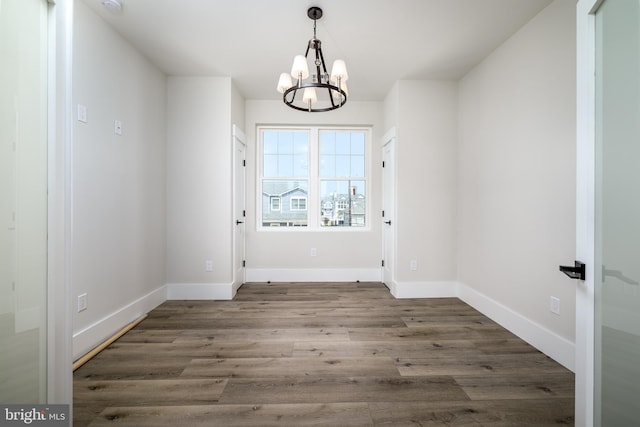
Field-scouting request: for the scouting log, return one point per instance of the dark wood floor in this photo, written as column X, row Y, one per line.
column 329, row 354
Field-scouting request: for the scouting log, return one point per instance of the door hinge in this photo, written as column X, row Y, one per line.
column 382, row 214
column 244, row 213
column 383, row 163
column 244, row 162
column 383, row 263
column 244, row 263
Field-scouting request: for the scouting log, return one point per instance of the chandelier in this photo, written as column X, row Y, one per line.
column 332, row 87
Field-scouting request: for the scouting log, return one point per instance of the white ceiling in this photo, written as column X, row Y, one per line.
column 382, row 41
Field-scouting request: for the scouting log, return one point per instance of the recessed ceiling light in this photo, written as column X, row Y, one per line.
column 112, row 5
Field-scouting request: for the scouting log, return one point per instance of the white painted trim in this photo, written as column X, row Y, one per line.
column 201, row 291
column 388, row 135
column 313, row 274
column 558, row 348
column 59, row 316
column 425, row 290
column 239, row 134
column 585, row 210
column 93, row 335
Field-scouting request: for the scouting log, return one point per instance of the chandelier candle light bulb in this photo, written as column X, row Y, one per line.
column 332, row 86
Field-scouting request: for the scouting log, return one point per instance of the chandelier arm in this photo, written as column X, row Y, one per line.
column 333, row 104
column 324, row 66
column 318, row 63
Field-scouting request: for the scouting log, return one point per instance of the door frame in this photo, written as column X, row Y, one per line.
column 388, row 198
column 60, row 203
column 585, row 210
column 239, row 138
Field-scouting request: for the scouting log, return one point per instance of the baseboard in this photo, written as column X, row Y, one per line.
column 558, row 348
column 201, row 291
column 424, row 289
column 91, row 336
column 313, row 275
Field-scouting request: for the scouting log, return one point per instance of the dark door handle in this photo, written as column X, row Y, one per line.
column 388, row 222
column 578, row 271
column 239, row 222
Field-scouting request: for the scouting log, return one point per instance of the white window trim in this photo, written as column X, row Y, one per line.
column 313, row 198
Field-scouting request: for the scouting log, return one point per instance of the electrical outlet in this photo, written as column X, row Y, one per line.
column 208, row 265
column 313, row 252
column 554, row 305
column 413, row 265
column 82, row 302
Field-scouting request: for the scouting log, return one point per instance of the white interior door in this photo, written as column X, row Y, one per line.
column 608, row 302
column 23, row 200
column 388, row 208
column 239, row 210
column 617, row 216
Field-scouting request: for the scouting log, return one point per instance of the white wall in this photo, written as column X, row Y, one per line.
column 516, row 189
column 118, row 182
column 426, row 149
column 199, row 191
column 341, row 255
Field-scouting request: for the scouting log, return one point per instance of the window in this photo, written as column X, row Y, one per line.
column 313, row 177
column 275, row 203
column 298, row 204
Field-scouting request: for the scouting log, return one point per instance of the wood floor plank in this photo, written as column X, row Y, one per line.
column 494, row 413
column 146, row 392
column 140, row 336
column 425, row 333
column 330, row 354
column 479, row 365
column 125, row 368
column 342, row 389
column 295, row 415
column 179, row 322
column 267, row 335
column 290, row 367
column 412, row 349
column 199, row 349
column 532, row 386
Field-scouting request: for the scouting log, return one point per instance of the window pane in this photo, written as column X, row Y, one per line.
column 343, row 143
column 285, row 143
column 327, row 142
column 357, row 143
column 285, row 153
column 327, row 166
column 285, row 191
column 285, row 165
column 342, row 203
column 343, row 166
column 270, row 168
column 300, row 165
column 357, row 166
column 270, row 142
column 348, row 151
